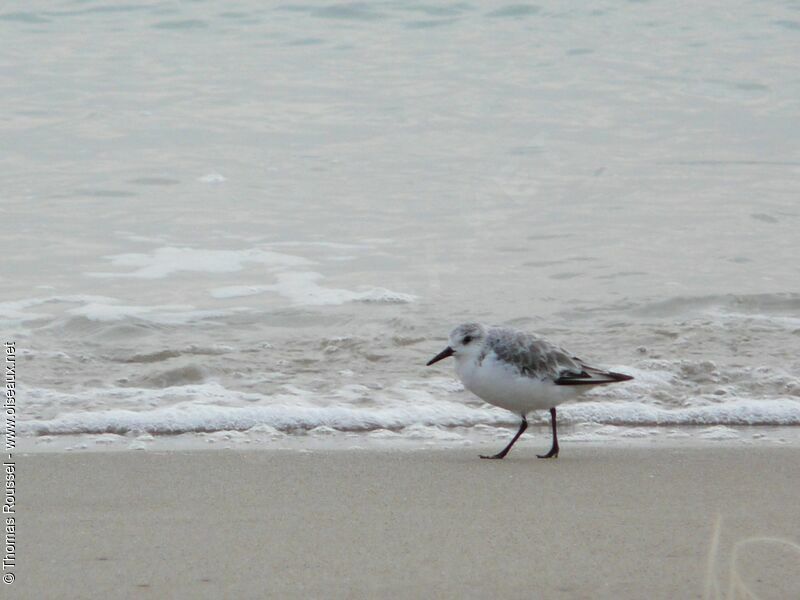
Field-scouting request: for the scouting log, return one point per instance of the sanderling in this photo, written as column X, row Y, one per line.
column 520, row 372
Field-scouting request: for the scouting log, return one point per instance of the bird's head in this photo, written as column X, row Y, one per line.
column 466, row 341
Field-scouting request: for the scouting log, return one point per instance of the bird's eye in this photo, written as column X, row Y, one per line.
column 467, row 339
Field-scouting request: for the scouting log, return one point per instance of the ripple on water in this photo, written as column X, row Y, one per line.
column 515, row 10
column 23, row 17
column 154, row 181
column 183, row 24
column 183, row 375
column 357, row 11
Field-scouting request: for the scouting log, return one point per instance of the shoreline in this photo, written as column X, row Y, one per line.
column 598, row 522
column 485, row 437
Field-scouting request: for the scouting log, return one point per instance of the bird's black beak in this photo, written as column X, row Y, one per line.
column 443, row 354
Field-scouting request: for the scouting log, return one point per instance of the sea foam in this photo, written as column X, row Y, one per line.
column 303, row 288
column 210, row 407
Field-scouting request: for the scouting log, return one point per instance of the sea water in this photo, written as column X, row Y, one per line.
column 262, row 219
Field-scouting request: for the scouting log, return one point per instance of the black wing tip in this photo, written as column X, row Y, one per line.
column 619, row 376
column 585, row 378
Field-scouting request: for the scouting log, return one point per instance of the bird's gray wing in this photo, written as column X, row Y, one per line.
column 537, row 358
column 533, row 356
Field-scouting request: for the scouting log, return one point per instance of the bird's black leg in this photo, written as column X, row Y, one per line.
column 554, row 448
column 502, row 454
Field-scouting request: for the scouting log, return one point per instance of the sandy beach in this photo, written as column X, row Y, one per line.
column 599, row 522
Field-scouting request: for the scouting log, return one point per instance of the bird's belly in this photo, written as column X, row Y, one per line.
column 507, row 389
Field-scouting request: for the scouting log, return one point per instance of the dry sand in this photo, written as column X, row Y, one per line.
column 599, row 522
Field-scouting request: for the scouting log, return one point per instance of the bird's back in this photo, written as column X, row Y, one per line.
column 531, row 355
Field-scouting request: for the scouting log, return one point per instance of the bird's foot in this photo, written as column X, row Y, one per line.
column 497, row 456
column 551, row 454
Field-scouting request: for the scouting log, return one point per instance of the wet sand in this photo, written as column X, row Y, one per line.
column 599, row 522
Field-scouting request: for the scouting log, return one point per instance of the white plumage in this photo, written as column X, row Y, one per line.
column 501, row 383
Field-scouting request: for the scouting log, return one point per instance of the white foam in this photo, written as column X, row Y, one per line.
column 607, row 430
column 108, row 439
column 196, row 417
column 322, row 430
column 266, row 431
column 719, row 432
column 239, row 291
column 168, row 260
column 15, row 311
column 167, row 314
column 326, row 245
column 737, row 412
column 43, row 354
column 383, row 296
column 96, row 311
column 384, row 434
column 635, row 432
column 302, row 288
column 299, row 287
column 215, row 178
column 211, row 407
column 430, row 432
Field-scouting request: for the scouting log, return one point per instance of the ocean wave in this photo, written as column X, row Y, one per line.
column 103, row 309
column 777, row 304
column 191, row 416
column 15, row 311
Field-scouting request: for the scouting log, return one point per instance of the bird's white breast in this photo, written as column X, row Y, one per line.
column 499, row 383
